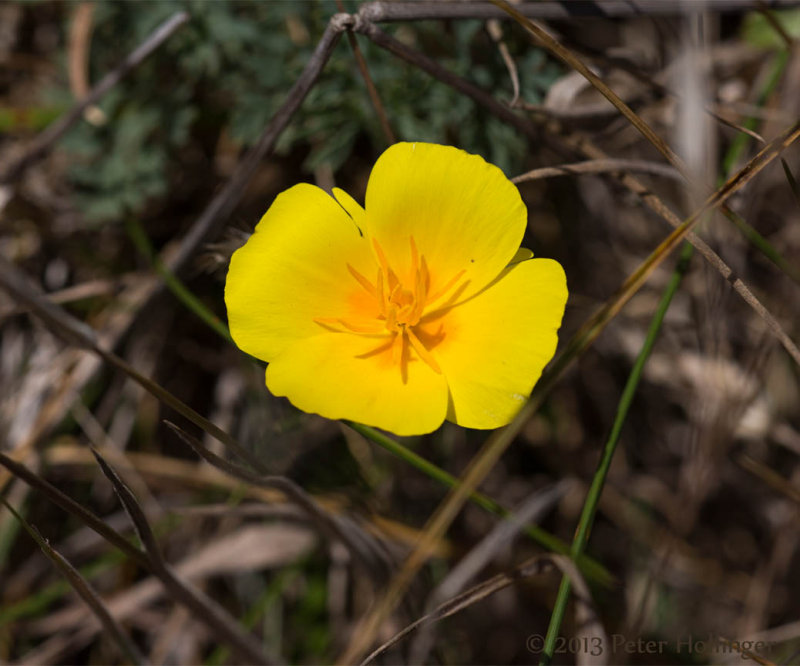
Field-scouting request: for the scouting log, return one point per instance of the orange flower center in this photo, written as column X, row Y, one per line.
column 400, row 306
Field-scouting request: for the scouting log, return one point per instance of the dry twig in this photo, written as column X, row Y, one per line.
column 203, row 607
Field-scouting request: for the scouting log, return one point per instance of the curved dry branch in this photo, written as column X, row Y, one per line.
column 598, row 166
column 327, row 522
column 214, row 616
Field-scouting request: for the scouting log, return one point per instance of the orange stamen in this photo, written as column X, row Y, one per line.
column 362, row 281
column 375, row 328
column 370, row 329
column 381, row 256
column 398, row 347
column 447, row 287
column 326, row 321
column 391, row 319
column 414, row 256
column 400, row 309
column 424, row 354
column 381, row 299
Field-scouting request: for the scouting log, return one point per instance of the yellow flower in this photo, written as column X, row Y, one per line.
column 419, row 307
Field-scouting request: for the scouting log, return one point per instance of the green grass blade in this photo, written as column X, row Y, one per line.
column 734, row 155
column 736, row 150
column 764, row 246
column 9, row 531
column 599, row 478
column 792, row 182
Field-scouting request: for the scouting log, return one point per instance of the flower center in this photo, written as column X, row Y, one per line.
column 400, row 306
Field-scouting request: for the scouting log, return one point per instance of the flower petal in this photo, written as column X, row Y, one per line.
column 293, row 270
column 523, row 254
column 462, row 212
column 345, row 376
column 493, row 347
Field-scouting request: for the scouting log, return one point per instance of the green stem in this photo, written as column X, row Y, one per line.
column 740, row 141
column 764, row 246
column 588, row 566
column 599, row 479
column 181, row 292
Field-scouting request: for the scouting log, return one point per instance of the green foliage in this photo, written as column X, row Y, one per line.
column 759, row 32
column 28, row 118
column 228, row 71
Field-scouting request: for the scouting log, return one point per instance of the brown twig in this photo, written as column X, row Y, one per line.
column 45, row 141
column 776, row 25
column 372, row 91
column 572, row 61
column 217, row 619
column 328, row 523
column 655, row 204
column 495, row 31
column 769, row 476
column 792, row 182
column 216, row 214
column 593, row 111
column 600, row 110
column 224, row 627
column 608, row 165
column 535, row 566
column 76, row 292
column 530, row 510
column 80, row 35
column 69, row 505
column 394, row 46
column 383, row 11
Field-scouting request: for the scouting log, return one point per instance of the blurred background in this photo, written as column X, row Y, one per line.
column 697, row 528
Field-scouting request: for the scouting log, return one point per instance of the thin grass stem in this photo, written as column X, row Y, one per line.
column 734, row 155
column 736, row 150
column 599, row 478
column 792, row 182
column 179, row 290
